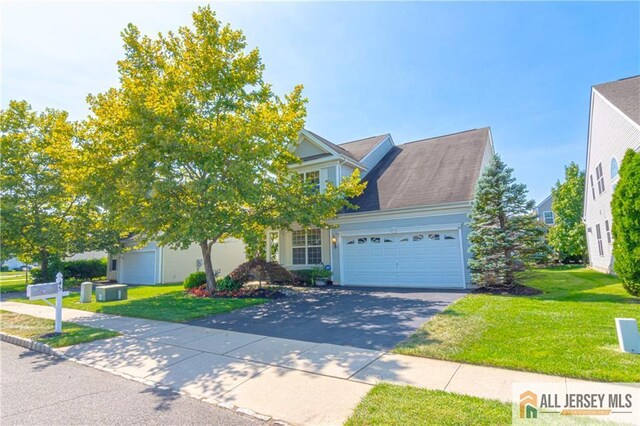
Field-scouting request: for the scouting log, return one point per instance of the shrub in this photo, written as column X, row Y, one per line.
column 227, row 284
column 625, row 210
column 4, row 269
column 319, row 273
column 261, row 270
column 303, row 276
column 195, row 280
column 86, row 269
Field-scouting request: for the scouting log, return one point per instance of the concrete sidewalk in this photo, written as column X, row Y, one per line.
column 291, row 380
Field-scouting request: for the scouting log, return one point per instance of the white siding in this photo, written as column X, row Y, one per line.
column 371, row 159
column 307, row 149
column 610, row 135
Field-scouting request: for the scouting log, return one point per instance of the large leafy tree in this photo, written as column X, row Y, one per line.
column 45, row 213
column 505, row 233
column 625, row 208
column 195, row 147
column 567, row 237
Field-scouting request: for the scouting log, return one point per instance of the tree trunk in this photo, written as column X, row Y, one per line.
column 205, row 246
column 44, row 266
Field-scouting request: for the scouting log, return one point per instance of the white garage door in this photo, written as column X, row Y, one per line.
column 417, row 259
column 138, row 267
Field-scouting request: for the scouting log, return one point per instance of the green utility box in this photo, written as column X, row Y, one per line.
column 107, row 293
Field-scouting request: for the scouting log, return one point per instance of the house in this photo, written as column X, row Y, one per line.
column 13, row 264
column 410, row 228
column 614, row 127
column 544, row 212
column 155, row 264
column 87, row 255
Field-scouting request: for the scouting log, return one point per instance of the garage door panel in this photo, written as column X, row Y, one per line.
column 138, row 268
column 418, row 259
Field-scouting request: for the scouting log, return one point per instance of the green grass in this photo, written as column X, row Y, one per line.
column 41, row 330
column 13, row 281
column 569, row 330
column 389, row 404
column 161, row 302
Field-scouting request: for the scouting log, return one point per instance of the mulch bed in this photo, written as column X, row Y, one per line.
column 517, row 290
column 243, row 293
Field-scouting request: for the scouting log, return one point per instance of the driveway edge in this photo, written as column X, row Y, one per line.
column 48, row 350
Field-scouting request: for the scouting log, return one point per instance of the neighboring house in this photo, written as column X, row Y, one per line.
column 614, row 127
column 13, row 263
column 87, row 255
column 154, row 264
column 411, row 226
column 544, row 212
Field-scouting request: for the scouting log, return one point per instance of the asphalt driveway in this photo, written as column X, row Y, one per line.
column 363, row 318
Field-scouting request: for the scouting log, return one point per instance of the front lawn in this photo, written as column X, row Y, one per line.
column 41, row 330
column 13, row 281
column 161, row 302
column 569, row 330
column 389, row 404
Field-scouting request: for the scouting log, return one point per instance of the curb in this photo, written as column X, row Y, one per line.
column 48, row 350
column 29, row 344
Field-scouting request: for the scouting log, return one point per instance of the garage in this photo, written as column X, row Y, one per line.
column 138, row 267
column 430, row 259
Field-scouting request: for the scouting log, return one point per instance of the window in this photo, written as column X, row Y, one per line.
column 614, row 168
column 362, row 240
column 388, row 240
column 351, row 242
column 114, row 264
column 375, row 239
column 307, row 247
column 599, row 238
column 312, row 178
column 404, row 240
column 418, row 237
column 434, row 236
column 600, row 178
column 548, row 217
column 593, row 190
column 449, row 237
column 608, row 230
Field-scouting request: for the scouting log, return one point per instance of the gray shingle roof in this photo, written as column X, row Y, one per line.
column 624, row 94
column 431, row 171
column 335, row 147
column 361, row 147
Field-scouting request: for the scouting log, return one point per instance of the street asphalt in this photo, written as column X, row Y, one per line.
column 36, row 389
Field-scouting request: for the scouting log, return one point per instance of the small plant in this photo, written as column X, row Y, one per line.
column 228, row 284
column 195, row 280
column 320, row 273
column 303, row 277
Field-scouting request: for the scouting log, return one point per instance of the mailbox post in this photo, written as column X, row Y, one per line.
column 50, row 291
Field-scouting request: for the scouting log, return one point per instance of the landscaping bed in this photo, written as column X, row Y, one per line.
column 241, row 293
column 568, row 330
column 389, row 404
column 41, row 330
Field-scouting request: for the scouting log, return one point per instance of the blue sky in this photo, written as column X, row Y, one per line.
column 414, row 70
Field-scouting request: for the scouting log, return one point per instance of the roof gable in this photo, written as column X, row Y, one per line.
column 431, row 171
column 362, row 147
column 623, row 94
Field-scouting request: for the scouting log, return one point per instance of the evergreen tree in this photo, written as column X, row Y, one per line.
column 625, row 208
column 568, row 237
column 505, row 233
